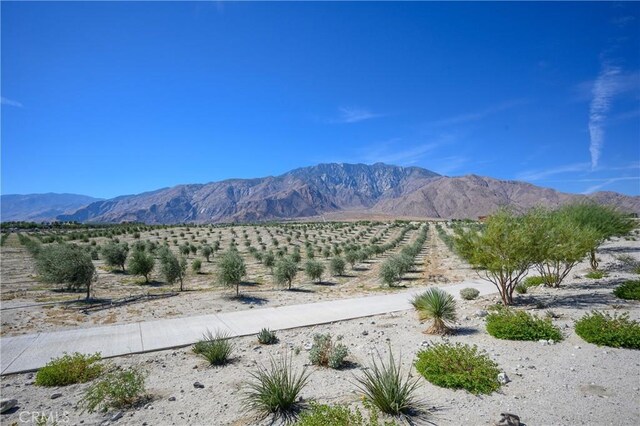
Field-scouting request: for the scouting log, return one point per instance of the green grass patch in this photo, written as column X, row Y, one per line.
column 617, row 331
column 69, row 369
column 510, row 324
column 458, row 366
column 629, row 290
column 339, row 415
column 214, row 348
column 595, row 275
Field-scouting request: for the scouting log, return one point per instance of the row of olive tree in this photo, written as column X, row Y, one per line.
column 552, row 242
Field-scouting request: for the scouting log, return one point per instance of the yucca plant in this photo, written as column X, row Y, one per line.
column 384, row 386
column 214, row 348
column 438, row 306
column 275, row 390
column 267, row 337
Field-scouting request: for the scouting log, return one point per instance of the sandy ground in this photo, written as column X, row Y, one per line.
column 569, row 383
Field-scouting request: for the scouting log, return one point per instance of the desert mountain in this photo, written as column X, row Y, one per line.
column 41, row 207
column 335, row 189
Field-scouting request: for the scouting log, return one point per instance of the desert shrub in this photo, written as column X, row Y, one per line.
column 285, row 271
column 458, row 366
column 69, row 369
column 629, row 290
column 511, row 324
column 616, row 331
column 215, row 348
column 438, row 306
column 469, row 293
column 314, row 270
column 533, row 281
column 65, row 263
column 172, row 268
column 196, row 266
column 118, row 389
column 385, row 387
column 231, row 269
column 267, row 337
column 141, row 263
column 275, row 390
column 206, row 252
column 595, row 275
column 521, row 288
column 337, row 266
column 115, row 255
column 339, row 415
column 326, row 353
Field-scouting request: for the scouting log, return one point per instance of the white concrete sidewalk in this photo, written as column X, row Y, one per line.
column 32, row 351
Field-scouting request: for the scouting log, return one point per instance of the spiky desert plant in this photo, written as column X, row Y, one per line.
column 439, row 307
column 384, row 386
column 275, row 390
column 215, row 348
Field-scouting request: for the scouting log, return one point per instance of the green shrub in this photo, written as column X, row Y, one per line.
column 196, row 266
column 141, row 263
column 629, row 290
column 595, row 275
column 458, row 367
column 436, row 305
column 326, row 353
column 337, row 266
column 119, row 389
column 339, row 415
column 267, row 337
column 66, row 263
column 521, row 288
column 384, row 386
column 275, row 390
column 602, row 329
column 469, row 293
column 511, row 324
column 214, row 348
column 533, row 281
column 69, row 369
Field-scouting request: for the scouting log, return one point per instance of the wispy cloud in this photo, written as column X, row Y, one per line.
column 354, row 115
column 10, row 102
column 448, row 165
column 534, row 175
column 393, row 152
column 603, row 91
column 476, row 115
column 606, row 182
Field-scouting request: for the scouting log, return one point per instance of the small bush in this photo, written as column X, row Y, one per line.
column 629, row 290
column 327, row 354
column 469, row 293
column 384, row 386
column 521, row 288
column 339, row 415
column 458, row 367
column 510, row 324
column 119, row 389
column 214, row 348
column 196, row 266
column 276, row 390
column 595, row 275
column 69, row 369
column 436, row 305
column 267, row 337
column 603, row 329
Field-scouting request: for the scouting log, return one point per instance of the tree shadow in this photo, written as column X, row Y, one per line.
column 465, row 331
column 349, row 365
column 325, row 283
column 359, row 269
column 249, row 284
column 410, row 279
column 620, row 250
column 153, row 283
column 250, row 300
column 300, row 290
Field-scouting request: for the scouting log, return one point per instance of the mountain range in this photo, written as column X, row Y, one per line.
column 337, row 190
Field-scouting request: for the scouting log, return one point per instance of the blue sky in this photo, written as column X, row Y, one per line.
column 112, row 98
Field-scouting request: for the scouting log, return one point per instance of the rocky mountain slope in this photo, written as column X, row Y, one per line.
column 41, row 207
column 330, row 188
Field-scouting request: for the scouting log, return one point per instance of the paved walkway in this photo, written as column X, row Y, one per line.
column 32, row 351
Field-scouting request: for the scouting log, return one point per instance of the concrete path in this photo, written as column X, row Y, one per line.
column 32, row 351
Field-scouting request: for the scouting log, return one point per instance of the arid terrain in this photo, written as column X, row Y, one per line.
column 567, row 383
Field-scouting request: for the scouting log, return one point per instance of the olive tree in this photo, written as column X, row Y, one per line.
column 115, row 254
column 314, row 270
column 501, row 251
column 172, row 268
column 605, row 221
column 141, row 263
column 337, row 266
column 206, row 252
column 68, row 264
column 285, row 271
column 231, row 269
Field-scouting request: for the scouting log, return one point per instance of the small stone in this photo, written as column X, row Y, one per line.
column 117, row 416
column 425, row 344
column 307, row 346
column 7, row 404
column 365, row 333
column 543, row 342
column 503, row 378
column 195, row 367
column 481, row 313
column 577, row 347
column 55, row 395
column 508, row 419
column 198, row 385
column 172, row 398
column 572, row 369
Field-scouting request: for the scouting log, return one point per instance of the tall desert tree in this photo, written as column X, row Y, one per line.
column 68, row 264
column 285, row 271
column 141, row 263
column 231, row 269
column 606, row 222
column 115, row 254
column 501, row 251
column 560, row 243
